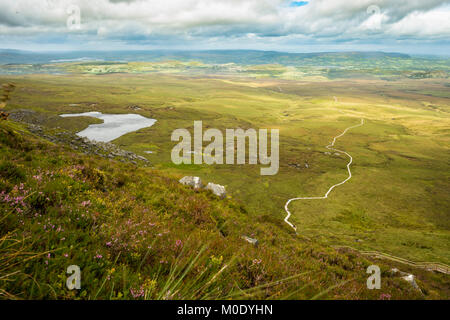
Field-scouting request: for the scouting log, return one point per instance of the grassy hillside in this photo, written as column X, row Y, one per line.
column 397, row 200
column 149, row 230
column 137, row 233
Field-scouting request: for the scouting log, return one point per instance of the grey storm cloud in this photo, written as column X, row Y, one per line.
column 137, row 20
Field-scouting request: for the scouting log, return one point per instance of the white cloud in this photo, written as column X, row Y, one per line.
column 199, row 20
column 434, row 23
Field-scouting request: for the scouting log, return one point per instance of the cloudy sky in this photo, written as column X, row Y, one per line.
column 411, row 26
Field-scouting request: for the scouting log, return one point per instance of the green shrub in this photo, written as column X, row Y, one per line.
column 38, row 202
column 95, row 176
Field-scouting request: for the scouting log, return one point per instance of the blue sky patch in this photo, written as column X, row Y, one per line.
column 298, row 3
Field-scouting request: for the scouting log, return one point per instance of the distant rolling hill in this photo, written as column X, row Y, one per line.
column 212, row 56
column 328, row 64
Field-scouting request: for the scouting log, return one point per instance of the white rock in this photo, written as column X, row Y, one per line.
column 411, row 280
column 397, row 272
column 217, row 189
column 254, row 242
column 195, row 182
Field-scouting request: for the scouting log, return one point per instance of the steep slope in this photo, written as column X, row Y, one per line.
column 136, row 233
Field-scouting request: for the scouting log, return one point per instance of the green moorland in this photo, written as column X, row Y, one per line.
column 136, row 233
column 397, row 201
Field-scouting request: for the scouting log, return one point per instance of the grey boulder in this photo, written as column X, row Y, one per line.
column 217, row 189
column 194, row 182
column 412, row 281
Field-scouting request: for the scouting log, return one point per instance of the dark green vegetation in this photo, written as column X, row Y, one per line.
column 397, row 201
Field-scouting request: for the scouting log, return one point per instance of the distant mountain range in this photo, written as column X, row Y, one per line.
column 244, row 57
column 8, row 56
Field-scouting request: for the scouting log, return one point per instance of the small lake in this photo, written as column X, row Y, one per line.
column 113, row 126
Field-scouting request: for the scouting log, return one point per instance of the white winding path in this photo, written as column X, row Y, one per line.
column 430, row 266
column 329, row 147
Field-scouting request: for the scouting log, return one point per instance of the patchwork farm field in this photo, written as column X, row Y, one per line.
column 397, row 200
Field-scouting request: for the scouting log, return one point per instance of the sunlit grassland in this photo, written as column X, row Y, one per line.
column 397, row 201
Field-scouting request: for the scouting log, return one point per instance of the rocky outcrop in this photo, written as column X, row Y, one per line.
column 30, row 116
column 410, row 278
column 134, row 107
column 396, row 272
column 86, row 146
column 194, row 182
column 412, row 281
column 298, row 165
column 217, row 189
column 37, row 121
